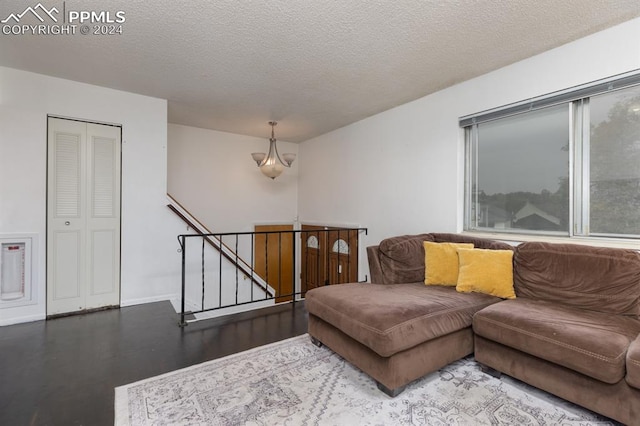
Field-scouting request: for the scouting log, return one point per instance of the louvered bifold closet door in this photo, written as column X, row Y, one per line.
column 83, row 216
column 103, row 216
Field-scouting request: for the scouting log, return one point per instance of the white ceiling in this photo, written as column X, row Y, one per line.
column 312, row 65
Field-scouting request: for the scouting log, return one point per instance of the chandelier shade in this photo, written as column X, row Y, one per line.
column 271, row 164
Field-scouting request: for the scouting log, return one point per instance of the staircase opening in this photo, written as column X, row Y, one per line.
column 230, row 272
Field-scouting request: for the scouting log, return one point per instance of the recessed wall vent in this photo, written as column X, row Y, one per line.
column 15, row 271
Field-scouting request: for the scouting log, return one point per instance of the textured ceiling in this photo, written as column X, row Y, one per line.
column 312, row 65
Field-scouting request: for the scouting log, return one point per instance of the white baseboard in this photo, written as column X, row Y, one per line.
column 142, row 300
column 20, row 320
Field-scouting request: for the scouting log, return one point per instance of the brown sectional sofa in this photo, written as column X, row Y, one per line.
column 573, row 330
column 397, row 329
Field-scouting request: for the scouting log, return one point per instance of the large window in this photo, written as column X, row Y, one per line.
column 566, row 164
column 614, row 163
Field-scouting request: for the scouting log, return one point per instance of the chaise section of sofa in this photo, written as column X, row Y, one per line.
column 396, row 329
column 573, row 328
column 395, row 333
column 393, row 318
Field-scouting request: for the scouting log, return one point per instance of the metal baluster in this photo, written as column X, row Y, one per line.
column 183, row 246
column 202, row 301
column 279, row 263
column 266, row 262
column 252, row 263
column 318, row 259
column 327, row 257
column 220, row 272
column 349, row 248
column 236, row 269
column 293, row 273
column 338, row 260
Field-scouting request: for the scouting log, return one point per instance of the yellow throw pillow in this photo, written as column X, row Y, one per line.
column 441, row 262
column 486, row 271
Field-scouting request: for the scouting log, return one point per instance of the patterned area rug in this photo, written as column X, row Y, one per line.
column 295, row 383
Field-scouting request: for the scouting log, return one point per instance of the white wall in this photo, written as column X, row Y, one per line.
column 212, row 175
column 401, row 171
column 150, row 263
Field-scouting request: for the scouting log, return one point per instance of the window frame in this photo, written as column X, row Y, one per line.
column 577, row 100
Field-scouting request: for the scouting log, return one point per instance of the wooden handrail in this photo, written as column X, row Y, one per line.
column 203, row 226
column 218, row 246
column 174, row 201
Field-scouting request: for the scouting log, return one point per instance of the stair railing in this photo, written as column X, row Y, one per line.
column 217, row 244
column 218, row 291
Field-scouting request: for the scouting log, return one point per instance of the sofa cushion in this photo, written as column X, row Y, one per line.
column 391, row 318
column 633, row 364
column 486, row 271
column 591, row 343
column 594, row 278
column 441, row 262
column 402, row 258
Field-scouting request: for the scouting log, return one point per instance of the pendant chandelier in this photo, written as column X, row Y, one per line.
column 271, row 164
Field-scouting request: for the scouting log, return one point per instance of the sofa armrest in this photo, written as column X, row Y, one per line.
column 633, row 363
column 375, row 269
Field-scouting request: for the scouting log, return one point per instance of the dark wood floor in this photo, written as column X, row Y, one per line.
column 64, row 371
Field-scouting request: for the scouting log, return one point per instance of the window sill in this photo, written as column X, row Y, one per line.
column 515, row 239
